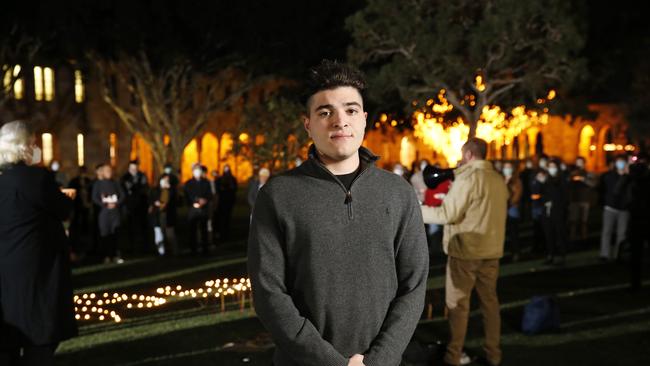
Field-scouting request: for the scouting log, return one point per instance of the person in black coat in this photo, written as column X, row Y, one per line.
column 226, row 186
column 80, row 225
column 36, row 308
column 639, row 225
column 136, row 187
column 108, row 195
column 198, row 194
column 556, row 200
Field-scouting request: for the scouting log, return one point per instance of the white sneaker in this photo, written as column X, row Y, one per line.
column 118, row 260
column 465, row 359
column 161, row 248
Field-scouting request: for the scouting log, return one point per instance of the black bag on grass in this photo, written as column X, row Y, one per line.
column 540, row 314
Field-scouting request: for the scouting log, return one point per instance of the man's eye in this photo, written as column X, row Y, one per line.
column 324, row 113
column 352, row 111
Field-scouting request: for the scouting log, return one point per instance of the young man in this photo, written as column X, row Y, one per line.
column 474, row 215
column 337, row 253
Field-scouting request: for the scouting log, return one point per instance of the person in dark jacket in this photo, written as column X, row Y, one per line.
column 36, row 309
column 556, row 202
column 162, row 211
column 639, row 226
column 80, row 226
column 616, row 212
column 256, row 184
column 136, row 187
column 226, row 186
column 337, row 252
column 198, row 195
column 108, row 194
column 538, row 210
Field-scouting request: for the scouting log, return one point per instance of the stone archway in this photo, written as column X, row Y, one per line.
column 605, row 136
column 587, row 146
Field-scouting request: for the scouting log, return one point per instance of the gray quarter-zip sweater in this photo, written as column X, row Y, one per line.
column 337, row 272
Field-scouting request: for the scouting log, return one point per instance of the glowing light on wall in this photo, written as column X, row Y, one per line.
column 11, row 75
column 406, row 152
column 494, row 125
column 38, row 83
column 190, row 157
column 80, row 149
column 79, row 88
column 209, row 148
column 48, row 83
column 48, row 150
column 141, row 151
column 112, row 149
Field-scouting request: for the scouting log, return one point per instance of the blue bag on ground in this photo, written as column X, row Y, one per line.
column 540, row 314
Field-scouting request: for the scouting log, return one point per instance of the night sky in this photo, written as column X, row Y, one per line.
column 285, row 37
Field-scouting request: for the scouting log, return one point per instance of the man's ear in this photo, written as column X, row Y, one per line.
column 305, row 123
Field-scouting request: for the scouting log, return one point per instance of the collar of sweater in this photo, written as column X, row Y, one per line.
column 314, row 167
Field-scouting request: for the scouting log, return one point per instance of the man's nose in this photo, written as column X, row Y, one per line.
column 339, row 120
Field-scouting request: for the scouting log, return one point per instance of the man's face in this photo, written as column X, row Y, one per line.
column 107, row 172
column 466, row 156
column 133, row 169
column 336, row 122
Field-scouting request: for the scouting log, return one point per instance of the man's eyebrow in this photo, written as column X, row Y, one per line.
column 325, row 106
column 329, row 106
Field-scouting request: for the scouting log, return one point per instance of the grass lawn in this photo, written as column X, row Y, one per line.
column 602, row 322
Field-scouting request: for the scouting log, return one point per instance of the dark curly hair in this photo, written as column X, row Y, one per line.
column 330, row 75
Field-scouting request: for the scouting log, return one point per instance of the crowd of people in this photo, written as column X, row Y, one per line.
column 558, row 199
column 107, row 208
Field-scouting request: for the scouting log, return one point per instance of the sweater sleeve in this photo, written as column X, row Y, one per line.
column 453, row 207
column 412, row 267
column 294, row 334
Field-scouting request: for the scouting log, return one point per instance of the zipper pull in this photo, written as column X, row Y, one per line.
column 348, row 197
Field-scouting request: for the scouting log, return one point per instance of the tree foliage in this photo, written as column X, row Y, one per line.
column 170, row 99
column 418, row 47
column 276, row 132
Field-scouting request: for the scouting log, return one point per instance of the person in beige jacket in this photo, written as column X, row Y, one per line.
column 474, row 215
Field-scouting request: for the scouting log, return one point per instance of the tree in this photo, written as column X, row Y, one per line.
column 16, row 48
column 275, row 132
column 168, row 101
column 504, row 52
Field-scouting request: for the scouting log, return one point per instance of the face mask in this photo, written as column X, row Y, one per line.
column 552, row 171
column 196, row 173
column 55, row 166
column 542, row 164
column 562, row 166
column 507, row 172
column 580, row 164
column 133, row 170
column 529, row 164
column 541, row 178
column 398, row 171
column 164, row 184
column 226, row 170
column 167, row 170
column 620, row 165
column 36, row 155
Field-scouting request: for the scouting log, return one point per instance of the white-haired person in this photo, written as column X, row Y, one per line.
column 36, row 309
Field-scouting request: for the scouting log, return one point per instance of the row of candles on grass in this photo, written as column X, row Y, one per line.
column 91, row 306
